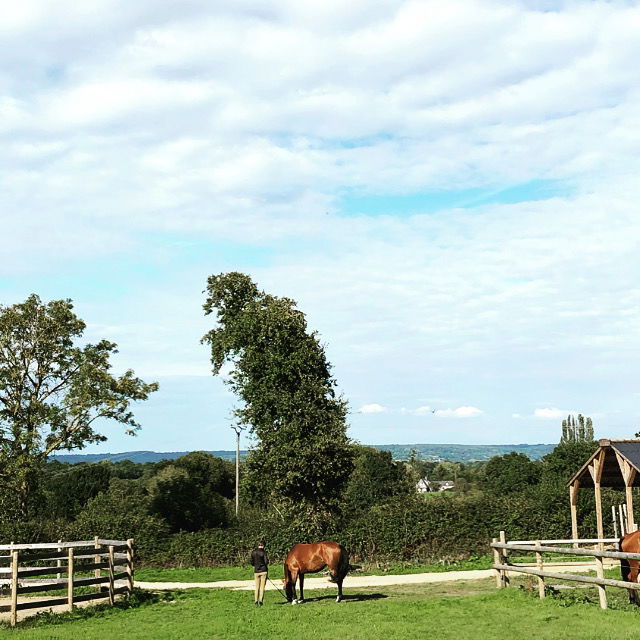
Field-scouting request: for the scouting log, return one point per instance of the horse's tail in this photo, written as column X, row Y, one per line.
column 625, row 567
column 343, row 564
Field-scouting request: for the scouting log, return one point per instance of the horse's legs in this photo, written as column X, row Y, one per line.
column 294, row 579
column 339, row 598
column 301, row 599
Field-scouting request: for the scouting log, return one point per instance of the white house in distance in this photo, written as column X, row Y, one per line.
column 430, row 486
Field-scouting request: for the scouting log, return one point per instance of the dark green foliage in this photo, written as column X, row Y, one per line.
column 187, row 493
column 376, row 479
column 52, row 391
column 511, row 473
column 68, row 491
column 120, row 513
column 567, row 458
column 280, row 373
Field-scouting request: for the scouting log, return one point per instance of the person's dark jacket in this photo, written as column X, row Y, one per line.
column 259, row 560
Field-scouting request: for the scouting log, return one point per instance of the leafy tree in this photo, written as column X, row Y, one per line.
column 511, row 473
column 376, row 479
column 303, row 457
column 69, row 491
column 580, row 430
column 188, row 492
column 567, row 458
column 121, row 512
column 53, row 392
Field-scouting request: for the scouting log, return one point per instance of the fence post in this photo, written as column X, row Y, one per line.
column 540, row 566
column 97, row 559
column 14, row 587
column 130, row 564
column 70, row 579
column 503, row 557
column 59, row 561
column 496, row 560
column 600, row 573
column 112, row 586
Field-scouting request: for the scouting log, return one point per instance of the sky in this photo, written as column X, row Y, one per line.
column 448, row 190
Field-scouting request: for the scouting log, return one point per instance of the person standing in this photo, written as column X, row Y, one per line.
column 260, row 564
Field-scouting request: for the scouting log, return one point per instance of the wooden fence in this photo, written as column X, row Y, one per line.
column 502, row 565
column 97, row 563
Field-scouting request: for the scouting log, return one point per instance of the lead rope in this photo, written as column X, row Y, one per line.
column 276, row 588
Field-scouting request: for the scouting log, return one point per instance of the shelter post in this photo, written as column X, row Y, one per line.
column 629, row 475
column 595, row 468
column 573, row 500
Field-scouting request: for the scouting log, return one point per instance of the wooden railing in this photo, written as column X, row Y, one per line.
column 503, row 566
column 98, row 563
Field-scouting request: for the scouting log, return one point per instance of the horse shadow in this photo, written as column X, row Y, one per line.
column 362, row 597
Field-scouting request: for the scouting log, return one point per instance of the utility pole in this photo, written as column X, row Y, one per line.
column 238, row 429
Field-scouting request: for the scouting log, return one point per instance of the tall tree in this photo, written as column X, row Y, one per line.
column 580, row 430
column 303, row 457
column 53, row 392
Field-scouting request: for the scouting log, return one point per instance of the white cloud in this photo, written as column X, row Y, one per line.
column 372, row 408
column 184, row 140
column 460, row 412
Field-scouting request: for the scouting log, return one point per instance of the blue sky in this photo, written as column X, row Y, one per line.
column 448, row 189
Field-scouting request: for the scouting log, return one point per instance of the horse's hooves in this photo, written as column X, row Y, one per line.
column 338, row 599
column 294, row 602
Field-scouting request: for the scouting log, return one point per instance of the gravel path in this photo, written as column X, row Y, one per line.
column 351, row 580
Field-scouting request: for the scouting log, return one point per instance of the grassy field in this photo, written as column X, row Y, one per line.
column 455, row 610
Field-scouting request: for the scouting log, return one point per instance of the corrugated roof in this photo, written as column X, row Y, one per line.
column 611, row 474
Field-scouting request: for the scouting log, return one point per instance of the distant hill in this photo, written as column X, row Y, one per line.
column 464, row 452
column 453, row 452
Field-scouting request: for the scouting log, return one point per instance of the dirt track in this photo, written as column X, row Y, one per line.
column 351, row 580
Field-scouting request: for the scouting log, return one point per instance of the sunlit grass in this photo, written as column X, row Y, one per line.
column 457, row 610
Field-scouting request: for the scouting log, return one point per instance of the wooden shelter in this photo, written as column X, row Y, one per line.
column 616, row 463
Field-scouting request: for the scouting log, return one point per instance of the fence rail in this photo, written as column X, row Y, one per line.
column 503, row 567
column 94, row 565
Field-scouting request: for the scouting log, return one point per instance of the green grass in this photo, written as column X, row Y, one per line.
column 213, row 574
column 472, row 610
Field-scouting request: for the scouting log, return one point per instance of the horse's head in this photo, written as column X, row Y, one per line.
column 287, row 582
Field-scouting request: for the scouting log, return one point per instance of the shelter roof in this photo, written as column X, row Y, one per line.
column 611, row 451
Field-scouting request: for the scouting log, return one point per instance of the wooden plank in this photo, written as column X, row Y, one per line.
column 568, row 541
column 567, row 551
column 49, row 545
column 85, row 597
column 111, row 543
column 41, row 604
column 37, row 571
column 569, row 577
column 43, row 586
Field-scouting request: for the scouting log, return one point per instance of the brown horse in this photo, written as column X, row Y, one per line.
column 311, row 558
column 630, row 543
